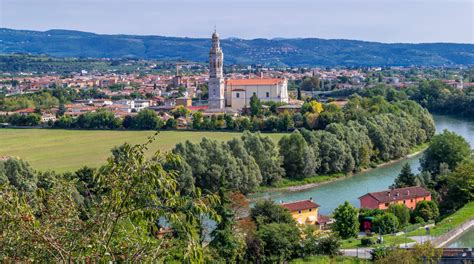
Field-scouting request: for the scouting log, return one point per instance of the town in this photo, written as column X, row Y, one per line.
column 236, row 132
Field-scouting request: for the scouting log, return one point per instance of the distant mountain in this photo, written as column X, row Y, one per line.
column 277, row 52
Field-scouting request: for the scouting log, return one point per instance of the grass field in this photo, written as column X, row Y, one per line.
column 67, row 150
column 450, row 222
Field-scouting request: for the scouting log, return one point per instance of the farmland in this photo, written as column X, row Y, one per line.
column 68, row 150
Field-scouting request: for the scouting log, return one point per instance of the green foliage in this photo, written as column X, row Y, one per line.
column 18, row 174
column 447, row 147
column 460, row 187
column 255, row 105
column 428, row 210
column 147, row 119
column 279, row 241
column 406, row 178
column 298, row 158
column 386, row 223
column 367, row 241
column 47, row 226
column 266, row 212
column 329, row 245
column 401, row 212
column 266, row 155
column 310, row 84
column 211, row 160
column 347, row 223
column 33, row 119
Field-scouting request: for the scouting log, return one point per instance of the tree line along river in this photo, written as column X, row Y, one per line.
column 332, row 194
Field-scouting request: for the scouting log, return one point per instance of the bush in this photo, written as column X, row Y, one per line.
column 419, row 220
column 428, row 210
column 386, row 224
column 367, row 241
column 329, row 246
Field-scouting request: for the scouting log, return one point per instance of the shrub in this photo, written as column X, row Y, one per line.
column 367, row 241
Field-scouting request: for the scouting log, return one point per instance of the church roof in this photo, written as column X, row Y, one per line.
column 237, row 82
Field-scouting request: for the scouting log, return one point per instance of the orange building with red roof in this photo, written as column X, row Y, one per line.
column 408, row 196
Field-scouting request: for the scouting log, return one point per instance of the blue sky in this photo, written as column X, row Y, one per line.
column 412, row 21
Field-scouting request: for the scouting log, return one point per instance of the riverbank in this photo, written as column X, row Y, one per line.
column 457, row 219
column 287, row 185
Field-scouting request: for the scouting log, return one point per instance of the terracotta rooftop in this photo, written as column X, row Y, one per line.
column 300, row 205
column 399, row 194
column 237, row 82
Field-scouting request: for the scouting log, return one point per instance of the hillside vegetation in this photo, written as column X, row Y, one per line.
column 290, row 52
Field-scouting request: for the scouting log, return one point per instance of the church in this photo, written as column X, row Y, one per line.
column 236, row 93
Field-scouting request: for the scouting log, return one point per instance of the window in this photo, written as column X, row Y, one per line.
column 268, row 94
column 310, row 209
column 404, row 201
column 411, row 200
column 299, row 211
column 237, row 95
column 387, row 204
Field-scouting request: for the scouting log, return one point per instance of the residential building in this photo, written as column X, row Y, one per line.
column 304, row 212
column 408, row 196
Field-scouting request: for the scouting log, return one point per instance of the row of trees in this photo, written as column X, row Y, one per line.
column 447, row 170
column 378, row 131
column 136, row 209
column 434, row 95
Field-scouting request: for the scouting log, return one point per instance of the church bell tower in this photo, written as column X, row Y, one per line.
column 216, row 75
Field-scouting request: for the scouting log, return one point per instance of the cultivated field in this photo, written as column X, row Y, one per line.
column 67, row 150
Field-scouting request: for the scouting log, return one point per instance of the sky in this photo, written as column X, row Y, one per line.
column 390, row 21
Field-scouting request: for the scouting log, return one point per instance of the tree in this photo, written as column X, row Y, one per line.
column 312, row 106
column 255, row 105
column 427, row 210
column 279, row 241
column 401, row 212
column 386, row 223
column 406, row 178
column 197, row 120
column 447, row 147
column 266, row 155
column 347, row 222
column 138, row 192
column 298, row 158
column 228, row 244
column 18, row 174
column 266, row 212
column 147, row 119
column 460, row 186
column 328, row 245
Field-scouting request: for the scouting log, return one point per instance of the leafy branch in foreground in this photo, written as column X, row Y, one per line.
column 137, row 198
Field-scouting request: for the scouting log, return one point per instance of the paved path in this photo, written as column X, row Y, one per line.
column 357, row 252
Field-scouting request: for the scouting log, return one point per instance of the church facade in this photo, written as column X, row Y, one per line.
column 236, row 93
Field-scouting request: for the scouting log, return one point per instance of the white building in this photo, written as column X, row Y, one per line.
column 241, row 90
column 236, row 93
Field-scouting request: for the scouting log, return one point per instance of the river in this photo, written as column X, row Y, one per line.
column 464, row 241
column 332, row 194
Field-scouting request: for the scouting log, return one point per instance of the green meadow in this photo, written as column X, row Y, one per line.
column 68, row 150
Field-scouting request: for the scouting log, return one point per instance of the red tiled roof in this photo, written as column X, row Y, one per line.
column 197, row 108
column 26, row 110
column 323, row 219
column 399, row 194
column 300, row 205
column 237, row 82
